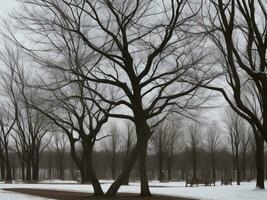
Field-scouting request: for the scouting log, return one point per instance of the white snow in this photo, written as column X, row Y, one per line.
column 4, row 195
column 246, row 191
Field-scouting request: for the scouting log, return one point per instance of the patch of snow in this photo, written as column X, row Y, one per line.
column 246, row 191
column 59, row 181
column 5, row 195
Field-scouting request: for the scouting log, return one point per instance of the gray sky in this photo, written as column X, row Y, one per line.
column 210, row 114
column 6, row 5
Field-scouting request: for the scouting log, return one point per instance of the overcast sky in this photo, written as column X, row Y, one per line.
column 211, row 114
column 6, row 5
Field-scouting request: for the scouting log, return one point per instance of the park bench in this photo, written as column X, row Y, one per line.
column 206, row 182
column 226, row 181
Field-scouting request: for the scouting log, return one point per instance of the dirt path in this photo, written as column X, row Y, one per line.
column 63, row 195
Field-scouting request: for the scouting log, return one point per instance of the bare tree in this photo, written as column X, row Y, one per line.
column 213, row 143
column 7, row 122
column 59, row 146
column 112, row 146
column 245, row 145
column 128, row 54
column 239, row 138
column 243, row 63
column 29, row 126
column 164, row 143
column 172, row 145
column 80, row 114
column 193, row 139
column 158, row 141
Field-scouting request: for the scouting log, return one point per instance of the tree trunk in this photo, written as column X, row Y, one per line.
column 128, row 165
column 8, row 172
column 143, row 172
column 238, row 175
column 91, row 173
column 84, row 178
column 22, row 172
column 127, row 180
column 3, row 170
column 50, row 170
column 160, row 175
column 260, row 162
column 213, row 166
column 13, row 173
column 194, row 160
column 169, row 166
column 35, row 170
column 28, row 171
column 113, row 165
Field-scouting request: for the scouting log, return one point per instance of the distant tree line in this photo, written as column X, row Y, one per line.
column 69, row 68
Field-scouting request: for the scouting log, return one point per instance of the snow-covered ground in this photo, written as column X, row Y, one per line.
column 246, row 191
column 4, row 195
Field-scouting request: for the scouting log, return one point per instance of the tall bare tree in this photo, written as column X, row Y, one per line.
column 239, row 139
column 194, row 140
column 112, row 146
column 243, row 63
column 127, row 49
column 7, row 122
column 30, row 126
column 213, row 144
column 59, row 145
column 164, row 142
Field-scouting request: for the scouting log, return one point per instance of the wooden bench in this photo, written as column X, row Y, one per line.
column 226, row 181
column 206, row 182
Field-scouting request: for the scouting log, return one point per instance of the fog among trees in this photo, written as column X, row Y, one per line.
column 134, row 90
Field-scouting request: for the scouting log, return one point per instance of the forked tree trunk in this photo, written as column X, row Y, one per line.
column 142, row 130
column 128, row 165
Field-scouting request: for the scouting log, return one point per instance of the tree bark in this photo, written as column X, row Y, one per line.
column 143, row 172
column 260, row 162
column 238, row 175
column 91, row 173
column 22, row 172
column 194, row 160
column 8, row 168
column 160, row 178
column 3, row 170
column 35, row 169
column 128, row 165
column 213, row 166
column 169, row 166
column 28, row 171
